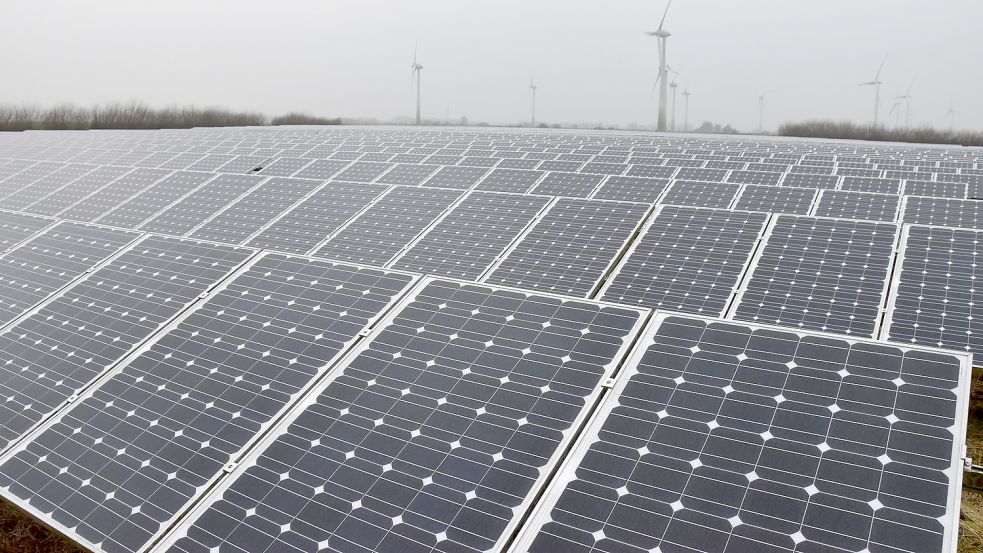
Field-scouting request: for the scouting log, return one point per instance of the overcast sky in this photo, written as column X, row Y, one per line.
column 591, row 59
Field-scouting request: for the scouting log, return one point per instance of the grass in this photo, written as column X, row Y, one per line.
column 19, row 533
column 853, row 131
column 135, row 115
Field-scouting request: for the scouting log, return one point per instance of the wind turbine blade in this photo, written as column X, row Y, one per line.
column 656, row 83
column 879, row 69
column 664, row 15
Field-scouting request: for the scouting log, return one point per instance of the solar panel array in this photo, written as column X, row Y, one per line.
column 222, row 340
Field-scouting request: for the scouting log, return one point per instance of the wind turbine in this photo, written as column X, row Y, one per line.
column 532, row 88
column 673, row 86
column 897, row 118
column 417, row 72
column 907, row 104
column 661, row 34
column 876, row 83
column 761, row 112
column 686, row 116
column 951, row 114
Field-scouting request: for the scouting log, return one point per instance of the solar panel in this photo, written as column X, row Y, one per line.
column 322, row 169
column 240, row 220
column 93, row 206
column 379, row 233
column 363, row 171
column 631, row 189
column 517, row 181
column 754, row 177
column 857, row 205
column 436, row 436
column 805, row 180
column 303, row 227
column 210, row 162
column 17, row 227
column 686, row 259
column 878, row 185
column 652, row 171
column 467, row 241
column 604, row 168
column 943, row 212
column 558, row 165
column 44, row 186
column 774, row 199
column 46, row 262
column 738, row 438
column 57, row 351
column 195, row 208
column 56, row 201
column 577, row 185
column 285, row 166
column 407, row 174
column 701, row 194
column 571, row 248
column 128, row 457
column 820, row 274
column 459, row 178
column 701, row 174
column 28, row 175
column 518, row 164
column 932, row 299
column 153, row 199
column 937, row 189
column 182, row 161
column 242, row 164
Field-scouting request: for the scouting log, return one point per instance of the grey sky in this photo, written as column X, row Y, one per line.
column 591, row 59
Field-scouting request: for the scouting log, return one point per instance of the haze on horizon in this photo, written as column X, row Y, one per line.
column 592, row 61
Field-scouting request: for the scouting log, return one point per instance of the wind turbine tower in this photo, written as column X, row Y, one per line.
column 532, row 89
column 907, row 105
column 662, row 34
column 673, row 86
column 876, row 83
column 951, row 114
column 417, row 72
column 686, row 110
column 761, row 112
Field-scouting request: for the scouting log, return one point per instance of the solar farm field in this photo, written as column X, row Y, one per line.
column 384, row 339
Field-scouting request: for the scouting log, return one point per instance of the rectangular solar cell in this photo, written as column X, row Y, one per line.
column 652, row 171
column 631, row 189
column 937, row 189
column 381, row 232
column 285, row 166
column 17, row 227
column 819, row 274
column 571, row 247
column 57, row 351
column 728, row 437
column 435, row 435
column 942, row 212
column 407, row 174
column 776, row 199
column 44, row 186
column 240, row 220
column 153, row 199
column 468, row 239
column 458, row 178
column 105, row 199
column 857, row 205
column 878, row 185
column 127, row 458
column 322, row 169
column 686, row 259
column 307, row 224
column 701, row 194
column 576, row 185
column 932, row 298
column 68, row 195
column 701, row 174
column 517, row 181
column 806, row 180
column 46, row 262
column 195, row 208
column 754, row 177
column 363, row 171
